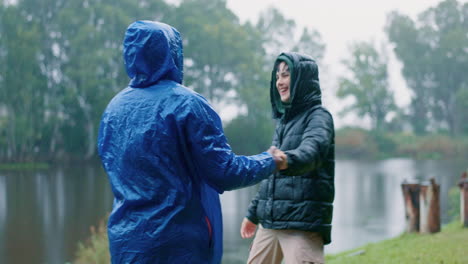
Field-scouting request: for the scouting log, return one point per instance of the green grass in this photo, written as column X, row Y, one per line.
column 448, row 247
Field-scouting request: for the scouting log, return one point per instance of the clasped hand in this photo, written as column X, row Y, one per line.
column 279, row 157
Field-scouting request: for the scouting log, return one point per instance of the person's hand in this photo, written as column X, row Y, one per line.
column 279, row 157
column 247, row 228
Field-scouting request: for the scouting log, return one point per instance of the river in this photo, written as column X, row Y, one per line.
column 45, row 213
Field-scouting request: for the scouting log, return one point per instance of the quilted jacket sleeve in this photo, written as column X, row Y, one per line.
column 315, row 144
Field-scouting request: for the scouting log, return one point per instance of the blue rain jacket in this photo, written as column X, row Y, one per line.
column 167, row 159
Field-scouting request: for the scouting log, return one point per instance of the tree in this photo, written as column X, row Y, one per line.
column 63, row 63
column 225, row 63
column 278, row 34
column 272, row 35
column 93, row 37
column 21, row 83
column 216, row 47
column 434, row 56
column 368, row 85
column 311, row 43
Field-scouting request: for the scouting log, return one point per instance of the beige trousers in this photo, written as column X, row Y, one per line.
column 270, row 246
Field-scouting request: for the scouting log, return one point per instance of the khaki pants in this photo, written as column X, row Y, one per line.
column 270, row 246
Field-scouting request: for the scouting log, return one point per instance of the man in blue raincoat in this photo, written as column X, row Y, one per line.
column 167, row 159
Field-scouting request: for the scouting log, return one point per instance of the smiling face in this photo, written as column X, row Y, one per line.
column 283, row 79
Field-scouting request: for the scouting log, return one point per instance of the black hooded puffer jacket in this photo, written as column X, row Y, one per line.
column 300, row 197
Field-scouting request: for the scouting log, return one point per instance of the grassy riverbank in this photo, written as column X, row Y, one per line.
column 447, row 246
column 352, row 142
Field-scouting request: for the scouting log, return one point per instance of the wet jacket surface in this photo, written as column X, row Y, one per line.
column 300, row 197
column 167, row 159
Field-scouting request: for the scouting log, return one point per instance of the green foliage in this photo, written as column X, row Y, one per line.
column 354, row 142
column 63, row 63
column 435, row 58
column 21, row 101
column 310, row 42
column 96, row 249
column 278, row 35
column 249, row 136
column 454, row 203
column 357, row 142
column 217, row 46
column 448, row 246
column 385, row 143
column 431, row 146
column 462, row 105
column 276, row 32
column 368, row 85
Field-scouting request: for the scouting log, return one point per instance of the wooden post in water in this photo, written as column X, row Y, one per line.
column 411, row 201
column 464, row 198
column 429, row 212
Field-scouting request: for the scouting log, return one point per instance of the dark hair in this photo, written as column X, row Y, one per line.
column 278, row 62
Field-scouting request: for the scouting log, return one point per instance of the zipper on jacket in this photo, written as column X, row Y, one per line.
column 210, row 231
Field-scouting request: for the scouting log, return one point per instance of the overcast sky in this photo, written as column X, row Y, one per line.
column 340, row 22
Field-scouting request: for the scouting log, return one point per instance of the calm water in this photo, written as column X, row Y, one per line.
column 44, row 214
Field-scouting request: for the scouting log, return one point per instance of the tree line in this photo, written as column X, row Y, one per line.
column 61, row 62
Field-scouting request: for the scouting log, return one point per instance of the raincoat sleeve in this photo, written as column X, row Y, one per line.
column 214, row 160
column 315, row 144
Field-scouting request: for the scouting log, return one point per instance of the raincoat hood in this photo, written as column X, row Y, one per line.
column 152, row 52
column 304, row 87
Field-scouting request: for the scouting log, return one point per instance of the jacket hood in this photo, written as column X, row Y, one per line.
column 152, row 52
column 304, row 87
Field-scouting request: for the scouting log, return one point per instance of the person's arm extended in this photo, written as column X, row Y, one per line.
column 315, row 144
column 215, row 162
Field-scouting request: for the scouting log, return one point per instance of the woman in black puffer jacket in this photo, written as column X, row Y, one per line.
column 294, row 207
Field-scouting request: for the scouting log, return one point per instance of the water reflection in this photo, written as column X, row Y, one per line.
column 48, row 212
column 368, row 204
column 3, row 213
column 44, row 214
